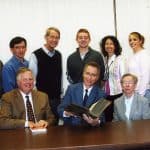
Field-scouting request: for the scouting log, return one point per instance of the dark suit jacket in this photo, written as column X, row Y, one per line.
column 140, row 109
column 13, row 114
column 74, row 94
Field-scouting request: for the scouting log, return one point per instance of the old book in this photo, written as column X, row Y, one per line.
column 94, row 111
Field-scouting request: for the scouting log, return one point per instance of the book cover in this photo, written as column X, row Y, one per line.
column 94, row 111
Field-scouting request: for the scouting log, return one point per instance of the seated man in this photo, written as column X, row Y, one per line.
column 130, row 106
column 83, row 94
column 25, row 107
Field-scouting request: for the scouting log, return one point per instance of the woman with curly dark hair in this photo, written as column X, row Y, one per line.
column 115, row 67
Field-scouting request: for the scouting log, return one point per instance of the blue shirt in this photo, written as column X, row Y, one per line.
column 9, row 73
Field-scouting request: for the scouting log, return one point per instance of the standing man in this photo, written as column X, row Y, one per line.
column 46, row 64
column 81, row 56
column 25, row 107
column 83, row 94
column 18, row 47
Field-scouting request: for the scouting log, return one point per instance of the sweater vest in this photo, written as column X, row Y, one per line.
column 49, row 73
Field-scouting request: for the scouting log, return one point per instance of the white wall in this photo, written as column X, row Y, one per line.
column 31, row 18
column 133, row 15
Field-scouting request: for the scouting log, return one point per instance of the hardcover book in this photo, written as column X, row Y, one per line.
column 94, row 111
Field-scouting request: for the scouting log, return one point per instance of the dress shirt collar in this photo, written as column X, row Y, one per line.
column 18, row 61
column 89, row 90
column 24, row 96
column 49, row 53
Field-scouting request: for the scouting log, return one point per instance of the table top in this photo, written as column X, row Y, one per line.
column 115, row 135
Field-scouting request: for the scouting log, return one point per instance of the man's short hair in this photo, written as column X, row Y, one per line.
column 22, row 70
column 17, row 40
column 134, row 77
column 93, row 64
column 50, row 29
column 83, row 30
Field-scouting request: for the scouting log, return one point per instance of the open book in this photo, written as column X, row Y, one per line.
column 94, row 111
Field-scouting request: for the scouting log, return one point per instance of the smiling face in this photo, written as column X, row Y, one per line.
column 52, row 39
column 25, row 82
column 109, row 47
column 83, row 40
column 136, row 42
column 90, row 76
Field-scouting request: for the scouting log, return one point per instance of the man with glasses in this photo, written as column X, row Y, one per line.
column 131, row 105
column 83, row 94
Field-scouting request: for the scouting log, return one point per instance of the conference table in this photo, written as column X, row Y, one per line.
column 111, row 136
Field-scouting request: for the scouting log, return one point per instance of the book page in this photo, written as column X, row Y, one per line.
column 97, row 108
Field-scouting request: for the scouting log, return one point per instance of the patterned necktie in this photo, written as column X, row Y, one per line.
column 29, row 110
column 85, row 97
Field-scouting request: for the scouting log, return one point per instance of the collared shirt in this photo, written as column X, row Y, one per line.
column 128, row 103
column 9, row 73
column 24, row 100
column 89, row 90
column 33, row 60
column 84, row 88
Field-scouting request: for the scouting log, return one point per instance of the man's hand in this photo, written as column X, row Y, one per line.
column 31, row 124
column 68, row 114
column 42, row 124
column 91, row 121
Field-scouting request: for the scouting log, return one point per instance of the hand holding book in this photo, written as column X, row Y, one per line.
column 94, row 111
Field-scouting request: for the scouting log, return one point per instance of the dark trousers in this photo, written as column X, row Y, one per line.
column 54, row 104
column 109, row 110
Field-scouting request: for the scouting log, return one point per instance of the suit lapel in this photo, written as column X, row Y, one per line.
column 133, row 107
column 123, row 108
column 34, row 100
column 92, row 98
column 80, row 94
column 20, row 103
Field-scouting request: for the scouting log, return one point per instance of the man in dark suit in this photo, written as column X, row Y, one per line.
column 76, row 94
column 14, row 109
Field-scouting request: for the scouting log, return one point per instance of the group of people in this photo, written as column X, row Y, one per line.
column 92, row 76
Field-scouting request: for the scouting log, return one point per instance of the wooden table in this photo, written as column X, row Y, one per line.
column 112, row 136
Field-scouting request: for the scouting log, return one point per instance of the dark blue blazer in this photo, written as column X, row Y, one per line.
column 74, row 94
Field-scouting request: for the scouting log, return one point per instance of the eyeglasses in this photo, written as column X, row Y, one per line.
column 127, row 83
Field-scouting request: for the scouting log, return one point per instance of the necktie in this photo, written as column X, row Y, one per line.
column 85, row 97
column 29, row 110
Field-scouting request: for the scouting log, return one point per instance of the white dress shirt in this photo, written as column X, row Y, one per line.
column 24, row 99
column 89, row 90
column 128, row 103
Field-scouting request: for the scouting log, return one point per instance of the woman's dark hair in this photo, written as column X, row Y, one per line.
column 118, row 48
